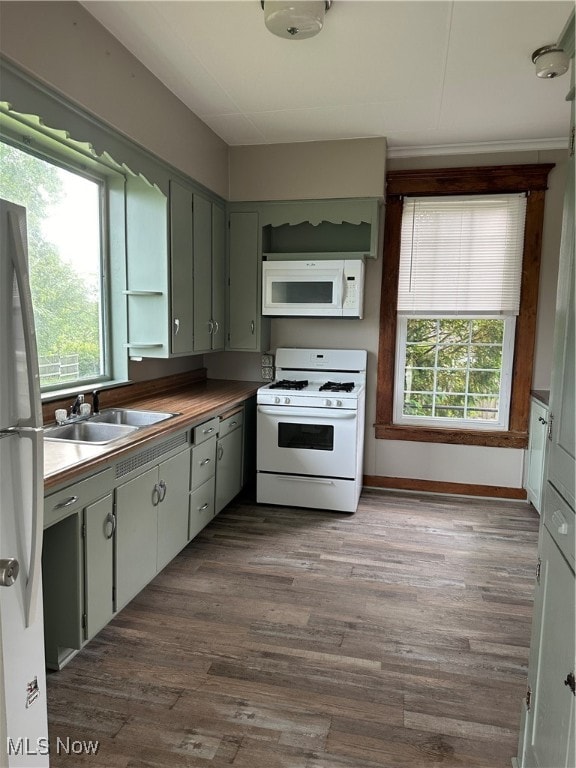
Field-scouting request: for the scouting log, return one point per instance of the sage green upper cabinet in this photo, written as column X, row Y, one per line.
column 182, row 269
column 176, row 285
column 147, row 269
column 347, row 228
column 247, row 329
column 209, row 275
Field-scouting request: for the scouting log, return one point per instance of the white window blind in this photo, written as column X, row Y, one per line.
column 461, row 255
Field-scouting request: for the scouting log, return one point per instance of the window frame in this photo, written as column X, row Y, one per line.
column 531, row 179
column 111, row 182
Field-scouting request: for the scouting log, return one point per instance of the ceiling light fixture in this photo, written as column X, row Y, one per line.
column 550, row 61
column 295, row 19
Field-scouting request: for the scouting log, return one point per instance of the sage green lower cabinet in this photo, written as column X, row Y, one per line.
column 77, row 565
column 173, row 508
column 203, row 471
column 548, row 731
column 229, row 456
column 99, row 529
column 151, row 524
column 537, row 432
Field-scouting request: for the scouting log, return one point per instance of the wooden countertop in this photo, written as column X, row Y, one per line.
column 194, row 403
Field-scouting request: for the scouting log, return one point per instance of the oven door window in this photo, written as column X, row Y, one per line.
column 315, row 437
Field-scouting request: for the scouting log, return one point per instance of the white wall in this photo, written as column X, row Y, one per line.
column 308, row 170
column 64, row 47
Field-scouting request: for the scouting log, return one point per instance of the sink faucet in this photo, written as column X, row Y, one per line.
column 75, row 410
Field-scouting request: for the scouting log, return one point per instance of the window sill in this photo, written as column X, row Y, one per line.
column 492, row 439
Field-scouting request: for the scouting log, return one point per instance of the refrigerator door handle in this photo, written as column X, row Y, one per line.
column 23, row 282
column 36, row 435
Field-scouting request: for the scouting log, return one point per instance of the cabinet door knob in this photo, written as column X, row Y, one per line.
column 111, row 521
column 542, row 420
column 176, row 326
column 252, row 327
column 162, row 488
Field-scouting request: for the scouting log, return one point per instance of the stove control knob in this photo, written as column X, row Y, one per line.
column 277, row 400
column 328, row 402
column 286, row 401
column 339, row 403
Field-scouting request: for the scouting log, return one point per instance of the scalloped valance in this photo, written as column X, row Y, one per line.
column 34, row 106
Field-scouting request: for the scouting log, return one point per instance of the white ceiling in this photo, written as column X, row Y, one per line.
column 422, row 74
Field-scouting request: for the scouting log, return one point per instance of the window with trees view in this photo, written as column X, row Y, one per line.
column 458, row 304
column 64, row 220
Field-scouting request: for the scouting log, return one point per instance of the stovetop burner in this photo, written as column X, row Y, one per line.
column 289, row 384
column 337, row 386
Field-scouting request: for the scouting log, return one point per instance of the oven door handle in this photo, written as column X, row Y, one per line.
column 313, row 413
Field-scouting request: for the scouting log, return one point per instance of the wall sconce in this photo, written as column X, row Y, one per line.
column 295, row 19
column 550, row 61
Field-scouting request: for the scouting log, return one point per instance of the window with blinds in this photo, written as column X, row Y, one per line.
column 458, row 295
column 461, row 255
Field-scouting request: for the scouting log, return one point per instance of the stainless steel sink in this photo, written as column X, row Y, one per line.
column 130, row 416
column 88, row 432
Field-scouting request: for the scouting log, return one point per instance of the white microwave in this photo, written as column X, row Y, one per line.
column 312, row 288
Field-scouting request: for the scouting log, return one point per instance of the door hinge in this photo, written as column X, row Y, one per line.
column 538, row 570
column 528, row 698
column 550, row 420
column 83, row 530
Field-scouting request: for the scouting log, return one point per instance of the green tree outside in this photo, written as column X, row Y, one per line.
column 66, row 308
column 453, row 367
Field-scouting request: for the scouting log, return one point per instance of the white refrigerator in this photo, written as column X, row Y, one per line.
column 23, row 716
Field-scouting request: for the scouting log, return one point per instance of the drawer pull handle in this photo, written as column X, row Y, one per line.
column 204, row 462
column 233, row 424
column 111, row 521
column 67, row 502
column 207, row 431
column 162, row 490
column 203, row 507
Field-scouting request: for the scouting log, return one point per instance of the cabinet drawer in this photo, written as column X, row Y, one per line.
column 201, row 508
column 62, row 503
column 559, row 519
column 203, row 462
column 205, row 431
column 230, row 423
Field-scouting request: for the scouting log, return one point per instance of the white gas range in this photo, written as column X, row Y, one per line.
column 310, row 430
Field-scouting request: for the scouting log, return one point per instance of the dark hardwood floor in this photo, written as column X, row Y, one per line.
column 283, row 638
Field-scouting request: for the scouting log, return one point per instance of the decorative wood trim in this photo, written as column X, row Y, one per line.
column 439, row 486
column 388, row 316
column 452, row 436
column 491, row 179
column 525, row 337
column 450, row 181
